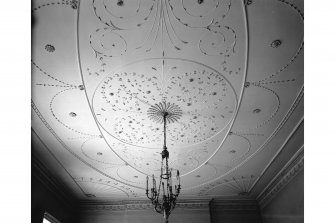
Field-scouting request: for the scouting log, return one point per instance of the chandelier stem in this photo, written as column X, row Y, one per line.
column 164, row 120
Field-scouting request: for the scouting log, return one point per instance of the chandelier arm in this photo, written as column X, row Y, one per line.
column 148, row 196
column 152, row 198
column 158, row 208
column 152, row 193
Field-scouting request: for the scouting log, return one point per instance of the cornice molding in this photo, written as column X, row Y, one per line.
column 50, row 218
column 139, row 205
column 216, row 205
column 285, row 175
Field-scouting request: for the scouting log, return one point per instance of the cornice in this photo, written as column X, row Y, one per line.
column 50, row 218
column 139, row 205
column 285, row 175
column 216, row 205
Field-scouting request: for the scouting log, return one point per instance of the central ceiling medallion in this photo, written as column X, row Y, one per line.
column 172, row 111
column 129, row 103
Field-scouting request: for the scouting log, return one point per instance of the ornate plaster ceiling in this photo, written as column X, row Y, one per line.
column 229, row 72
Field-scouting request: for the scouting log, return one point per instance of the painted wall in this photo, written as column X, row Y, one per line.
column 288, row 205
column 235, row 212
column 145, row 216
column 43, row 200
column 236, row 217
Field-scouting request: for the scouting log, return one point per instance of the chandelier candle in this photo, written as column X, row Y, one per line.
column 167, row 202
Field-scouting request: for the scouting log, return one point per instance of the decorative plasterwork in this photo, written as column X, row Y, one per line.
column 204, row 98
column 104, row 188
column 235, row 186
column 289, row 171
column 97, row 89
column 217, row 163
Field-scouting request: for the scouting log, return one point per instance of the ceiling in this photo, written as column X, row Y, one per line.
column 230, row 72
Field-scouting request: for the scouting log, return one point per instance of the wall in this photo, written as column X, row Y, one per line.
column 145, row 216
column 44, row 199
column 288, row 205
column 217, row 211
column 235, row 212
column 236, row 217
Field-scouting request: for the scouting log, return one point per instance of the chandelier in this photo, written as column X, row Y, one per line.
column 161, row 195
